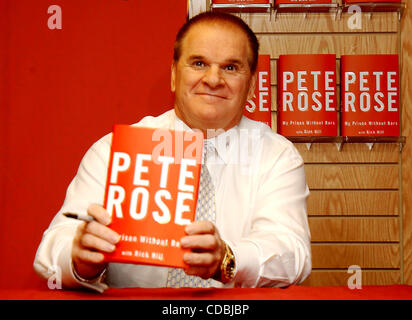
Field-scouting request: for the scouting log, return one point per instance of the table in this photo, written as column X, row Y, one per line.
column 392, row 292
column 211, row 303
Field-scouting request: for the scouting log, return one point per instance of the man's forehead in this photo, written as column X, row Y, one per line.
column 202, row 36
column 202, row 27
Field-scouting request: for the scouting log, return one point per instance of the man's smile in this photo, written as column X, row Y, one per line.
column 210, row 95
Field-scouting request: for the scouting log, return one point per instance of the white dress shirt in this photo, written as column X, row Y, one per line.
column 261, row 194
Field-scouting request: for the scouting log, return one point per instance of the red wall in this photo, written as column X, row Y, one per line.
column 61, row 90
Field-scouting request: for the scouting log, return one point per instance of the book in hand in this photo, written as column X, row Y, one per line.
column 151, row 193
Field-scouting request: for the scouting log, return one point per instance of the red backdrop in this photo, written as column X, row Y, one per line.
column 61, row 90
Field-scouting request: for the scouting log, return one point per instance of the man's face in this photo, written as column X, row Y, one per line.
column 212, row 79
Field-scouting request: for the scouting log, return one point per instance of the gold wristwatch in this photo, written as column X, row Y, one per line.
column 228, row 266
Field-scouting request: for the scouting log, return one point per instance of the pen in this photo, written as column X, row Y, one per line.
column 81, row 217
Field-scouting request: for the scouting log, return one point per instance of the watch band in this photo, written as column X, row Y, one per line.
column 228, row 266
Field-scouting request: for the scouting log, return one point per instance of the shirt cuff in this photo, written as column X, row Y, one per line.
column 71, row 279
column 247, row 263
column 96, row 280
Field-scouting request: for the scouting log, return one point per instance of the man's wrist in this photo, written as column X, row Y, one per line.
column 99, row 277
column 227, row 269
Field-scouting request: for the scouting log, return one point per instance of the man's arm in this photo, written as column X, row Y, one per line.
column 67, row 238
column 276, row 251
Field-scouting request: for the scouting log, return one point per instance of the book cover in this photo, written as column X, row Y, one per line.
column 370, row 95
column 151, row 192
column 307, row 95
column 259, row 107
column 241, row 5
column 285, row 6
column 375, row 5
column 240, row 1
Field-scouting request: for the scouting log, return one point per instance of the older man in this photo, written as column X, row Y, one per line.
column 259, row 235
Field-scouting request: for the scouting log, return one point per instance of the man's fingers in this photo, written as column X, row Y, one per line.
column 92, row 242
column 102, row 232
column 200, row 227
column 202, row 241
column 99, row 213
column 88, row 256
column 202, row 272
column 205, row 259
column 88, row 261
column 207, row 249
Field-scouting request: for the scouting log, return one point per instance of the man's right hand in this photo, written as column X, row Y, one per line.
column 91, row 240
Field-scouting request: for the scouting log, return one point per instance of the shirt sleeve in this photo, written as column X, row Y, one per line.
column 53, row 256
column 277, row 251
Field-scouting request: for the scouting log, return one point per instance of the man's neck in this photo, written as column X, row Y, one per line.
column 208, row 132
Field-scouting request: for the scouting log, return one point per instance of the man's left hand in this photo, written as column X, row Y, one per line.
column 207, row 249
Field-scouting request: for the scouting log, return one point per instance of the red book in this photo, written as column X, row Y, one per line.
column 370, row 95
column 375, row 5
column 307, row 95
column 305, row 5
column 240, row 2
column 241, row 5
column 151, row 192
column 258, row 108
column 372, row 1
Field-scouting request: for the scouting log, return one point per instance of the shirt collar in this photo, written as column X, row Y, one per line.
column 223, row 143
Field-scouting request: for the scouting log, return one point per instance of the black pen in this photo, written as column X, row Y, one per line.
column 82, row 217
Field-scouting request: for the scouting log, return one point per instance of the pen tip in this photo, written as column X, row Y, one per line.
column 70, row 215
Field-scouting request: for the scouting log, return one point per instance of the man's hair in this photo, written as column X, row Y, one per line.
column 223, row 18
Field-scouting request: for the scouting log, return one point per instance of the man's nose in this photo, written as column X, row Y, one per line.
column 213, row 76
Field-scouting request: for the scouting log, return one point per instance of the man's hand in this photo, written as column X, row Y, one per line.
column 90, row 241
column 207, row 249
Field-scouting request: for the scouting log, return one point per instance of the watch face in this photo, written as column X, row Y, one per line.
column 230, row 268
column 228, row 265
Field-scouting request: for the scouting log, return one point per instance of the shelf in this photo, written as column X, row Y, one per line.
column 340, row 140
column 305, row 7
column 371, row 7
column 335, row 7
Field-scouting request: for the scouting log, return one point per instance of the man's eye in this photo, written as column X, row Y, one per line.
column 199, row 64
column 230, row 67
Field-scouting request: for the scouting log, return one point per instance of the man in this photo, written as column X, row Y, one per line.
column 260, row 236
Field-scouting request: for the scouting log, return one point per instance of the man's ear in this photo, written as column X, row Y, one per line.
column 252, row 86
column 173, row 77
